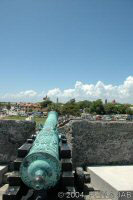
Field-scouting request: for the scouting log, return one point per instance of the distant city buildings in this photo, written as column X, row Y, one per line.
column 27, row 107
column 114, row 102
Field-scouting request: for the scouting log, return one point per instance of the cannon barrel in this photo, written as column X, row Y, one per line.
column 41, row 168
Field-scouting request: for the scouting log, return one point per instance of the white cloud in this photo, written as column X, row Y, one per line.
column 24, row 95
column 54, row 92
column 81, row 91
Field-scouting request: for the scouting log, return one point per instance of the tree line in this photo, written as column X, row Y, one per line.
column 93, row 107
column 76, row 108
column 5, row 104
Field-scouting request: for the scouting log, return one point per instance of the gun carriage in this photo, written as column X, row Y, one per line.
column 43, row 168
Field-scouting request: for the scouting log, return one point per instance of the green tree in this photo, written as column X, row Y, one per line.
column 55, row 106
column 129, row 111
column 71, row 101
column 87, row 110
column 8, row 106
column 97, row 107
column 71, row 109
column 110, row 108
column 84, row 104
column 30, row 110
column 122, row 108
column 46, row 103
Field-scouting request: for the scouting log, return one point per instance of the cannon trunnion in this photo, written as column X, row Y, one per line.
column 43, row 169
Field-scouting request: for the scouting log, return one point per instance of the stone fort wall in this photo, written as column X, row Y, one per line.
column 12, row 135
column 92, row 142
column 100, row 142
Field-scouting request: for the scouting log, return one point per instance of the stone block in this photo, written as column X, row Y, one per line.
column 114, row 182
column 12, row 135
column 100, row 142
column 3, row 170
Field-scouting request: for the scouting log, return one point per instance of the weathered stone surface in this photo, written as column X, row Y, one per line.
column 100, row 142
column 12, row 135
column 3, row 170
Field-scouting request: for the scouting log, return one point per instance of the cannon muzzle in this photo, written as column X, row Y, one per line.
column 41, row 168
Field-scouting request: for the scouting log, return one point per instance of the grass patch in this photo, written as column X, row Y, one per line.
column 14, row 118
column 38, row 120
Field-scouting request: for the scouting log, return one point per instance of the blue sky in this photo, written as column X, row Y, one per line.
column 48, row 44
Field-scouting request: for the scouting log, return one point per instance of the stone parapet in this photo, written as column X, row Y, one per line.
column 12, row 135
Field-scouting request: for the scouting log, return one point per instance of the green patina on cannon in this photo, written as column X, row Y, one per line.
column 41, row 168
